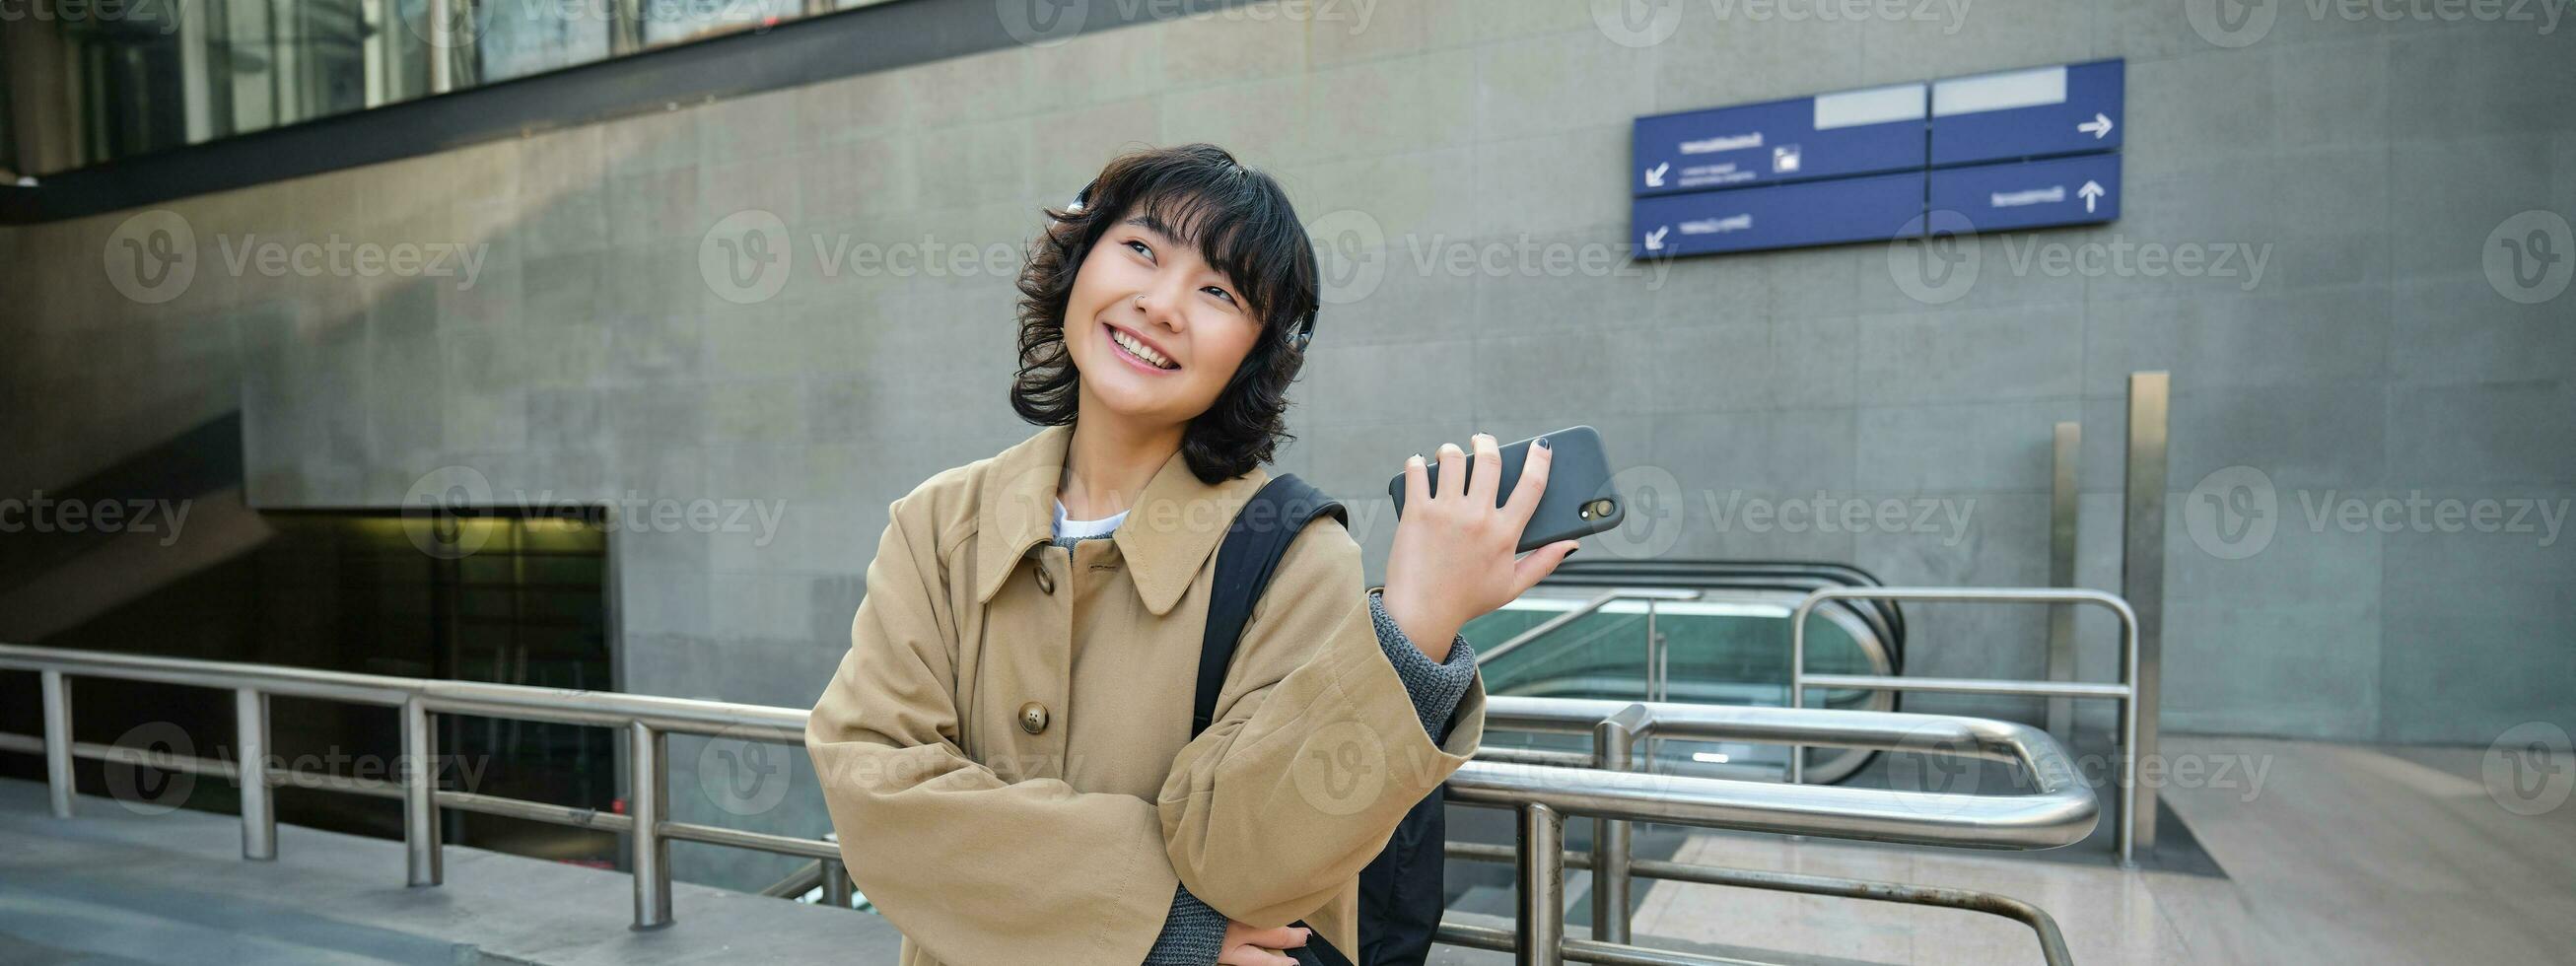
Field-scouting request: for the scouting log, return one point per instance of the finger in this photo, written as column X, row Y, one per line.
column 1453, row 472
column 1283, row 937
column 1251, row 955
column 1417, row 481
column 1529, row 570
column 1486, row 479
column 1532, row 485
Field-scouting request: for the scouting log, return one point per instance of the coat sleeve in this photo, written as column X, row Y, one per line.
column 970, row 868
column 1315, row 753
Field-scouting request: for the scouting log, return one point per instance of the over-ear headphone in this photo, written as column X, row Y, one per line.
column 1298, row 337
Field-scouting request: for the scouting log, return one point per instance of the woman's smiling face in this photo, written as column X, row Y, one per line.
column 1154, row 329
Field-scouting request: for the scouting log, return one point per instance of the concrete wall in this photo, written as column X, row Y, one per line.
column 591, row 359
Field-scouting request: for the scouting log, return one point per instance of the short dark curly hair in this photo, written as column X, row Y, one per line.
column 1240, row 221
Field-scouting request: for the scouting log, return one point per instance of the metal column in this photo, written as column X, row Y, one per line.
column 420, row 796
column 649, row 774
column 58, row 740
column 258, row 801
column 2062, row 513
column 1542, row 893
column 1614, row 741
column 2142, row 568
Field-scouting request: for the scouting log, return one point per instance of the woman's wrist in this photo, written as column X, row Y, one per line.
column 1430, row 633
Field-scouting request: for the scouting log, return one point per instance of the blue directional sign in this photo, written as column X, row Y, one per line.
column 1777, row 216
column 2031, row 194
column 1805, row 138
column 2041, row 112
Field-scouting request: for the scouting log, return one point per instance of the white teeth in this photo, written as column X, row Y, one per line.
column 1141, row 350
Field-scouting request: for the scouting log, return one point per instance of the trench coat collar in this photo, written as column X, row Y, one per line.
column 1176, row 523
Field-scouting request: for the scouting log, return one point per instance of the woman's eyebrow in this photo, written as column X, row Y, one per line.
column 1149, row 222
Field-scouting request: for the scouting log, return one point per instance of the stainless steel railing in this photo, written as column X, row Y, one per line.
column 2063, row 810
column 2137, row 718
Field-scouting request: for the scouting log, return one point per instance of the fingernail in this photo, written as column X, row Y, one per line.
column 1542, row 442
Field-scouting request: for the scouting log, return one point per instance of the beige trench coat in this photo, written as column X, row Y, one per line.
column 1005, row 749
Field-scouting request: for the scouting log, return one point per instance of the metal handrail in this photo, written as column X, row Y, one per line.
column 2063, row 810
column 2136, row 817
column 1604, row 599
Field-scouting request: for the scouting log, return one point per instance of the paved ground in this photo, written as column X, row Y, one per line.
column 2337, row 854
column 113, row 887
column 2341, row 854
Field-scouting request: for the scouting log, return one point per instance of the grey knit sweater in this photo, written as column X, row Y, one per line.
column 1193, row 933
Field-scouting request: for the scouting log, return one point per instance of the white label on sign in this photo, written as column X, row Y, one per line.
column 1784, row 159
column 1877, row 105
column 1736, row 142
column 1999, row 92
column 1718, row 226
column 2053, row 194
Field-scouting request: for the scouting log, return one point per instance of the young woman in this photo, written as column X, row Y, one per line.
column 1006, row 747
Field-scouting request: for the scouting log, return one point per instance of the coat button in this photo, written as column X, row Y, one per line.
column 1033, row 717
column 1046, row 583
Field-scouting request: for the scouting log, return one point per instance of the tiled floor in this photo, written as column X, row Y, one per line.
column 2339, row 854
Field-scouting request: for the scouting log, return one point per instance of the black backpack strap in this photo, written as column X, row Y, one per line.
column 1253, row 545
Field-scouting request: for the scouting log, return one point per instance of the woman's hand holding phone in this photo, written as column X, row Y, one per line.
column 1246, row 946
column 1454, row 556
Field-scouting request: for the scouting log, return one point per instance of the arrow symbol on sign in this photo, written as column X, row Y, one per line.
column 2091, row 192
column 1655, row 175
column 1655, row 238
column 2099, row 127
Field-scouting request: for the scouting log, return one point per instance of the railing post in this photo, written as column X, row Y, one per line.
column 1542, row 893
column 1614, row 743
column 58, row 740
column 250, row 747
column 836, row 885
column 420, row 796
column 649, row 773
column 2142, row 578
column 2063, row 500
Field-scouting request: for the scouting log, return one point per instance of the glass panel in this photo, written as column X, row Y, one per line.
column 98, row 82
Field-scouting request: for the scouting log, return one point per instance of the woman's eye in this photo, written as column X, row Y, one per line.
column 1221, row 293
column 1135, row 245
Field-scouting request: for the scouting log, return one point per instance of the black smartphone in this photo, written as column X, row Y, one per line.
column 1579, row 501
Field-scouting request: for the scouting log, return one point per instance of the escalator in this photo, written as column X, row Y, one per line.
column 1729, row 646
